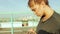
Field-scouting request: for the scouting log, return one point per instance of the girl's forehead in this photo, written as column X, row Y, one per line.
column 31, row 4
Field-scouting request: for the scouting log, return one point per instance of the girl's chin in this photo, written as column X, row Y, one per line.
column 38, row 15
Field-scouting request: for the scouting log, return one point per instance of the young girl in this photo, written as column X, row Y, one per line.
column 50, row 20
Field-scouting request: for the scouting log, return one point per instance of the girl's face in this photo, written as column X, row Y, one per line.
column 38, row 9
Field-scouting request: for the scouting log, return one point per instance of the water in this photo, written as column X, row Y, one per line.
column 17, row 24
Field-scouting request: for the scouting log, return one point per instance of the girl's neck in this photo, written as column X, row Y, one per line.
column 47, row 15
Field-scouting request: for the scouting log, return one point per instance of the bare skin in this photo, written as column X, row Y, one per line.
column 41, row 10
column 31, row 31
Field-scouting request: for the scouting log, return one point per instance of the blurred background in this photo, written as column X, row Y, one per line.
column 17, row 18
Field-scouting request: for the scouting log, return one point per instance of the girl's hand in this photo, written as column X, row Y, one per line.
column 31, row 31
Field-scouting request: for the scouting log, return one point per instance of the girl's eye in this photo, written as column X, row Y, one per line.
column 33, row 9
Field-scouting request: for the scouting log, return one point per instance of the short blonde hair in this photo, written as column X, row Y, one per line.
column 37, row 2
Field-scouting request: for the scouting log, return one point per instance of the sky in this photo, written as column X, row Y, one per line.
column 20, row 7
